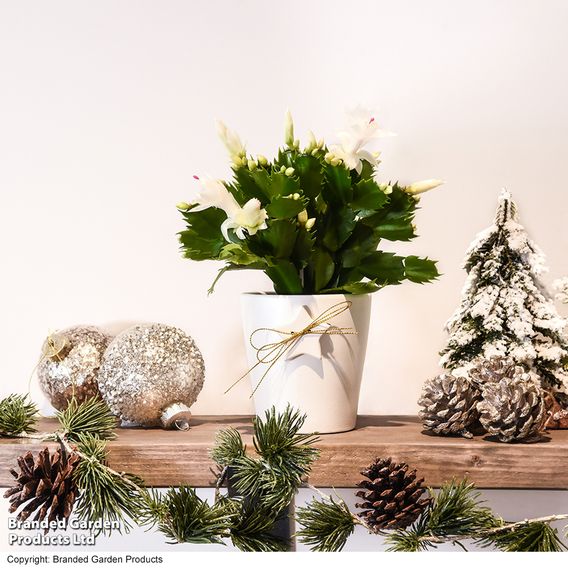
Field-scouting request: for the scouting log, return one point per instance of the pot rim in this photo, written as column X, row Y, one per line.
column 275, row 295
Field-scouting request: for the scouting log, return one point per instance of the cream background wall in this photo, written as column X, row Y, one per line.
column 106, row 112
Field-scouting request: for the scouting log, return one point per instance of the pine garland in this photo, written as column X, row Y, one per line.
column 455, row 515
column 267, row 484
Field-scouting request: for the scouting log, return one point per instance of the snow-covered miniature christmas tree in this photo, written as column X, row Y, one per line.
column 561, row 287
column 505, row 309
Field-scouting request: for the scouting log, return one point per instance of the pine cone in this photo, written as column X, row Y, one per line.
column 557, row 410
column 44, row 484
column 392, row 497
column 494, row 370
column 513, row 408
column 449, row 405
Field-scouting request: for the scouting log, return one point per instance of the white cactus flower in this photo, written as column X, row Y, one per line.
column 251, row 217
column 213, row 193
column 362, row 129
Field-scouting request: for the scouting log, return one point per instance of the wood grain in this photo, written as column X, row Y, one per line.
column 166, row 458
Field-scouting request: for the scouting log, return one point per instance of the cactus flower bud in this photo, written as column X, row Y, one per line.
column 310, row 223
column 295, row 196
column 231, row 141
column 183, row 206
column 303, row 217
column 289, row 172
column 312, row 142
column 289, row 130
column 422, row 186
column 252, row 165
column 262, row 160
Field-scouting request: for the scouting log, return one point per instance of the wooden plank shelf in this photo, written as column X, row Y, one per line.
column 165, row 458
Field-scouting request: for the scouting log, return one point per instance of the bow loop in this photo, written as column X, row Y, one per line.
column 269, row 353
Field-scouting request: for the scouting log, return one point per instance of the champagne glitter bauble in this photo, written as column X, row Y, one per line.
column 151, row 374
column 69, row 364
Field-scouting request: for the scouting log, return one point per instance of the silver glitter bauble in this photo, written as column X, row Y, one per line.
column 69, row 364
column 151, row 374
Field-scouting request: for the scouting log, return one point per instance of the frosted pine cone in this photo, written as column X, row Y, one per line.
column 449, row 405
column 513, row 409
column 495, row 369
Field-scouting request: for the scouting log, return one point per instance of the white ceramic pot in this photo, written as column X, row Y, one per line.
column 321, row 374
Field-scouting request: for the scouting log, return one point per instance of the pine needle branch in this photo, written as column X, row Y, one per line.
column 456, row 510
column 18, row 415
column 526, row 536
column 456, row 514
column 286, row 457
column 106, row 494
column 326, row 525
column 228, row 447
column 256, row 479
column 278, row 441
column 182, row 516
column 92, row 416
column 252, row 525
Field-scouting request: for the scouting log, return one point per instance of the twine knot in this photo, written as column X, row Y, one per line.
column 270, row 353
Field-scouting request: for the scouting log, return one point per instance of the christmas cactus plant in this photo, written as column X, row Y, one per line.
column 312, row 219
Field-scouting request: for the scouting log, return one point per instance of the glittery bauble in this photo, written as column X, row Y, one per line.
column 151, row 374
column 69, row 364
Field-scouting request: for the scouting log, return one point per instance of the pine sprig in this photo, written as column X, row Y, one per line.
column 286, row 457
column 457, row 510
column 409, row 540
column 252, row 525
column 273, row 486
column 326, row 525
column 92, row 416
column 454, row 512
column 278, row 441
column 228, row 448
column 18, row 415
column 182, row 516
column 529, row 536
column 105, row 494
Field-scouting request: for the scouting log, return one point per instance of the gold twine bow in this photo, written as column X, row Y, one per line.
column 270, row 353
